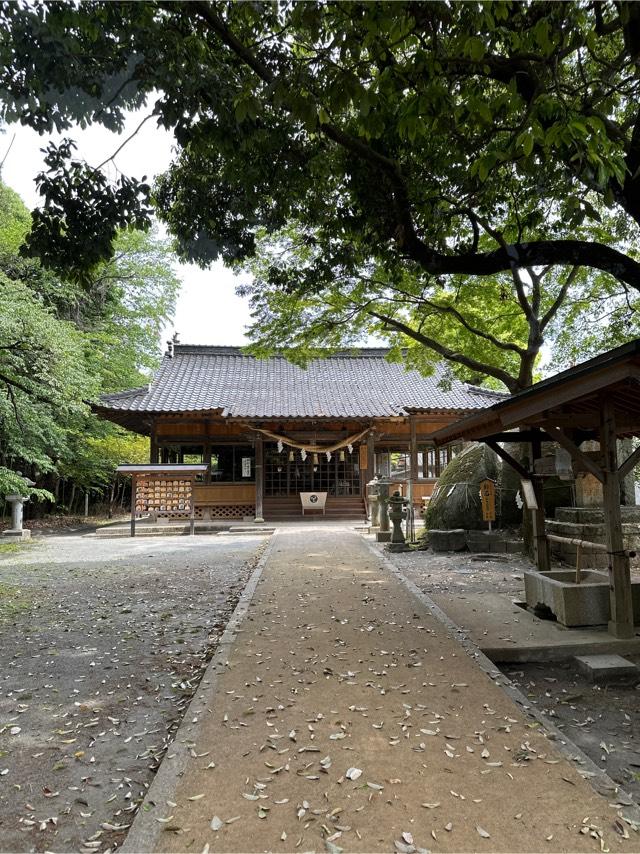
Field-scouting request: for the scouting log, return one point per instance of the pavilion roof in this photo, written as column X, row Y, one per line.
column 359, row 384
column 572, row 400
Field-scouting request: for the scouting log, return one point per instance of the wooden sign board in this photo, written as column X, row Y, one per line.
column 488, row 498
column 529, row 494
column 363, row 457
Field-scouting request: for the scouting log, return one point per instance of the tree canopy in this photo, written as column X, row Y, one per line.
column 451, row 139
column 61, row 345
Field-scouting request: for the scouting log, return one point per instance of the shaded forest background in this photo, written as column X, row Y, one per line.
column 61, row 345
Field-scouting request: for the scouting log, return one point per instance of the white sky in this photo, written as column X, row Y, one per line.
column 208, row 310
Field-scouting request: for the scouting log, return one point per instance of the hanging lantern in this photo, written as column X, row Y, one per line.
column 328, row 456
column 303, row 455
column 280, row 446
column 291, row 456
column 350, row 448
column 341, row 456
column 315, row 459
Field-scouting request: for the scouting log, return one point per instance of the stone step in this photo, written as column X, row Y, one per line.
column 592, row 533
column 588, row 531
column 594, row 515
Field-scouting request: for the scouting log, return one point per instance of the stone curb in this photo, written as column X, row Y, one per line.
column 598, row 779
column 145, row 829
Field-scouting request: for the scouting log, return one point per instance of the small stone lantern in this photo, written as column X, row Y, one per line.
column 16, row 531
column 397, row 514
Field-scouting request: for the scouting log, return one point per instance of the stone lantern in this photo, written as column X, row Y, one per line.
column 16, row 531
column 384, row 534
column 397, row 513
column 374, row 502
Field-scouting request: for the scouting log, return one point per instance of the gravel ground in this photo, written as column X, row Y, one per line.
column 102, row 644
column 462, row 572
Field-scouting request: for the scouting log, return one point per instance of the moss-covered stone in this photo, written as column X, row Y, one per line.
column 457, row 501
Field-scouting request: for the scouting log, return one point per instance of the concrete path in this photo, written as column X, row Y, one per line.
column 347, row 718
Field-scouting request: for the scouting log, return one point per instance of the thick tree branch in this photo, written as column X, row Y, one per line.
column 539, row 253
column 447, row 353
column 11, row 383
column 487, row 336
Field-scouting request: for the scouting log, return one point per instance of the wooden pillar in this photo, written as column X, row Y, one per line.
column 134, row 491
column 153, row 449
column 369, row 472
column 541, row 550
column 413, row 448
column 259, row 477
column 621, row 622
column 192, row 508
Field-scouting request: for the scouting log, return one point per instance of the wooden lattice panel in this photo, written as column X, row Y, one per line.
column 231, row 511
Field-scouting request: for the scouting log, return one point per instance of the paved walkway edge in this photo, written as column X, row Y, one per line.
column 599, row 780
column 145, row 829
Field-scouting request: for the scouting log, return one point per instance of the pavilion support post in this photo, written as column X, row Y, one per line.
column 259, row 446
column 153, row 450
column 621, row 604
column 541, row 550
column 134, row 492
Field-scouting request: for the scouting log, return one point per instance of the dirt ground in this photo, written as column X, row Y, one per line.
column 603, row 720
column 346, row 718
column 102, row 644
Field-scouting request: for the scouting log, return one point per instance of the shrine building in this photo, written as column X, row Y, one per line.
column 268, row 430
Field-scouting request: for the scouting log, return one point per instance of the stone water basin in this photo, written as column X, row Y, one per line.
column 584, row 604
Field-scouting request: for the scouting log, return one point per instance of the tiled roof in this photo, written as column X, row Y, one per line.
column 362, row 384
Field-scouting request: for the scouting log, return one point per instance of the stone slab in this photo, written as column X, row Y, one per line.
column 25, row 534
column 602, row 667
column 507, row 633
column 451, row 540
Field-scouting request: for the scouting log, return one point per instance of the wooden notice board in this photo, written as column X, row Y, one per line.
column 363, row 457
column 488, row 498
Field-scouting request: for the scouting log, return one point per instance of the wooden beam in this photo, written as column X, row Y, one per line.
column 506, row 456
column 630, row 463
column 565, row 442
column 518, row 436
column 621, row 622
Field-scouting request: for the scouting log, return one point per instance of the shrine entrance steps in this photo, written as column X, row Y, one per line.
column 288, row 508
